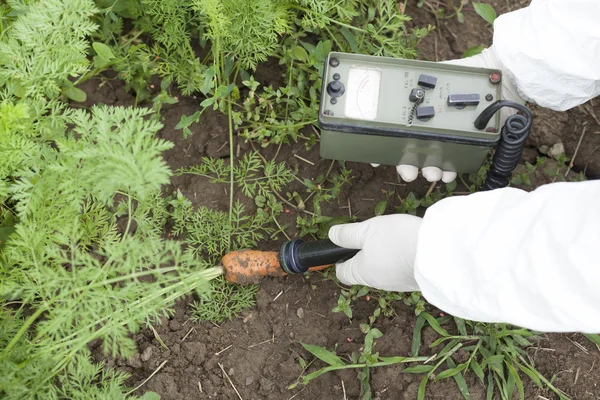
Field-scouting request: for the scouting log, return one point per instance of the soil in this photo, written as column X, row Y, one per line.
column 259, row 352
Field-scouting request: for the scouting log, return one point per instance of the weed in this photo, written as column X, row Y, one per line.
column 186, row 122
column 409, row 205
column 322, row 189
column 362, row 361
column 495, row 353
column 256, row 177
column 208, row 232
column 225, row 301
column 347, row 297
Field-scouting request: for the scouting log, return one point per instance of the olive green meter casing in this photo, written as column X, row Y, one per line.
column 368, row 114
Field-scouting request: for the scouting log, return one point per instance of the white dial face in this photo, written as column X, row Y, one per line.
column 362, row 96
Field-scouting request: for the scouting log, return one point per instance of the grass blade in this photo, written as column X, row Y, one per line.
column 490, row 387
column 460, row 324
column 533, row 375
column 594, row 337
column 434, row 324
column 451, row 371
column 323, row 354
column 476, row 368
column 418, row 369
column 416, row 342
column 460, row 380
column 517, row 379
column 422, row 385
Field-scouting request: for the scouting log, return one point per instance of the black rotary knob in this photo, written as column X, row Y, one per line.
column 335, row 88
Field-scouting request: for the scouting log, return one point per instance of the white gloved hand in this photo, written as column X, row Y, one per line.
column 486, row 59
column 388, row 247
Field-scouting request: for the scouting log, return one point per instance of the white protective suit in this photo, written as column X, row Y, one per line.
column 529, row 259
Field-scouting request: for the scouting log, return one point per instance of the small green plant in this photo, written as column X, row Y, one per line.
column 346, row 298
column 495, row 353
column 257, row 178
column 445, row 10
column 409, row 205
column 186, row 122
column 363, row 361
column 321, row 189
column 224, row 302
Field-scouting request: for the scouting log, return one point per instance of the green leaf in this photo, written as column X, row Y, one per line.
column 182, row 122
column 486, row 12
column 460, row 324
column 207, row 102
column 380, row 207
column 302, row 362
column 473, row 51
column 450, row 372
column 460, row 380
column 477, row 370
column 490, row 387
column 208, row 82
column 495, row 361
column 517, row 379
column 323, row 354
column 435, row 325
column 103, row 51
column 228, row 67
column 594, row 337
column 400, row 360
column 74, row 94
column 460, row 17
column 376, row 333
column 422, row 385
column 532, row 374
column 416, row 341
column 363, row 291
column 418, row 369
column 300, row 53
column 350, row 39
column 100, row 62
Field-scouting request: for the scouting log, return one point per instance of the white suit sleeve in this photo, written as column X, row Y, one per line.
column 528, row 259
column 552, row 50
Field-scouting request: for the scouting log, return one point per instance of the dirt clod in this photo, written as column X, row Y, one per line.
column 147, row 353
column 174, row 325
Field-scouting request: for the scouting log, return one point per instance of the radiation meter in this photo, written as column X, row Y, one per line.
column 395, row 111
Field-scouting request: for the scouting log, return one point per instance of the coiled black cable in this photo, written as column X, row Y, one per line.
column 512, row 141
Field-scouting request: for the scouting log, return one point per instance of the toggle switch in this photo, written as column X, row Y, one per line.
column 460, row 101
column 427, row 81
column 424, row 114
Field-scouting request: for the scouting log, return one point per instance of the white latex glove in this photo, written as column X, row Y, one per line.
column 388, row 248
column 486, row 59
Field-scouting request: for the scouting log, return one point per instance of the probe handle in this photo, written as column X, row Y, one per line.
column 297, row 256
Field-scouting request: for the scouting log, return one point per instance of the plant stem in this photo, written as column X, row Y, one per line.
column 24, row 328
column 128, row 217
column 231, row 166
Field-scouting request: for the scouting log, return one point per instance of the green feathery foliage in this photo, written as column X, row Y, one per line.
column 82, row 257
column 45, row 46
column 248, row 30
